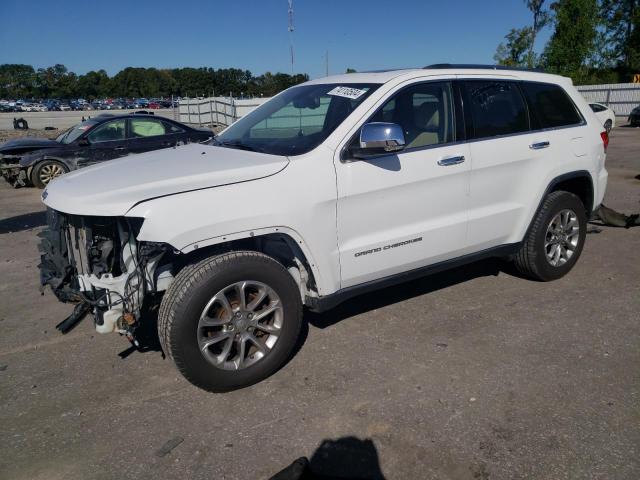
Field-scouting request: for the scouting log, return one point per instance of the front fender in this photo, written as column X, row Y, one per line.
column 279, row 204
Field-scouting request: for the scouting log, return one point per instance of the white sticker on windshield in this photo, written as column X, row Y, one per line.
column 347, row 92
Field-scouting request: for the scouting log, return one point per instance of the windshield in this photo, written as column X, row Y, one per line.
column 297, row 120
column 74, row 132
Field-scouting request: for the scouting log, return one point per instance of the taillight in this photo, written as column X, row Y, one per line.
column 605, row 139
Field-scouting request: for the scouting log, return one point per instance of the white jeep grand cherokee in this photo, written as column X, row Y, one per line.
column 332, row 188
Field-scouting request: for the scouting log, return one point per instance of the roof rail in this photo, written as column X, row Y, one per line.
column 480, row 66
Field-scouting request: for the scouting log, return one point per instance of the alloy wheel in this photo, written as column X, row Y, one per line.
column 240, row 325
column 561, row 238
column 49, row 171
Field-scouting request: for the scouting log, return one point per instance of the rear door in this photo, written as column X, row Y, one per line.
column 504, row 159
column 146, row 134
column 106, row 142
column 521, row 133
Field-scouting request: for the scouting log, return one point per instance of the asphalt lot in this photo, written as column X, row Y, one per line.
column 63, row 120
column 470, row 374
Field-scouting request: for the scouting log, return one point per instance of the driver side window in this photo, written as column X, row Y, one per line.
column 108, row 132
column 424, row 111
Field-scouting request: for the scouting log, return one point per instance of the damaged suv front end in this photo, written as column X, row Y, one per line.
column 97, row 264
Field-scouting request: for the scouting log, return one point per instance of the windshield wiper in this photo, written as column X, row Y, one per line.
column 239, row 146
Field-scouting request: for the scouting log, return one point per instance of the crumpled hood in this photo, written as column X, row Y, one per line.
column 112, row 188
column 27, row 143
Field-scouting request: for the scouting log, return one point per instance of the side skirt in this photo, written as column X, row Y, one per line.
column 321, row 304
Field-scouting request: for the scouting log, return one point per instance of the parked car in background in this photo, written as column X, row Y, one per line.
column 63, row 107
column 333, row 188
column 140, row 103
column 634, row 117
column 37, row 161
column 154, row 105
column 605, row 114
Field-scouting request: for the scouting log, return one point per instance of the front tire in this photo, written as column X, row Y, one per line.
column 231, row 320
column 555, row 239
column 46, row 171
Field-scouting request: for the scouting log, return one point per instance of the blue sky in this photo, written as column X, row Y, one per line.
column 252, row 34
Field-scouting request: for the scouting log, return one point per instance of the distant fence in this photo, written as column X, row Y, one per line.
column 216, row 111
column 620, row 97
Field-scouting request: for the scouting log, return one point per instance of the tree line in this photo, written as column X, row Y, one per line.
column 23, row 81
column 592, row 41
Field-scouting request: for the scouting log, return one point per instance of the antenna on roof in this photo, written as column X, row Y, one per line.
column 291, row 33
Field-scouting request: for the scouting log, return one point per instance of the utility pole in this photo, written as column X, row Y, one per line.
column 326, row 64
column 291, row 33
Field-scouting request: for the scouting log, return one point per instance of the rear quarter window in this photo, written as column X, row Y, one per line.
column 551, row 106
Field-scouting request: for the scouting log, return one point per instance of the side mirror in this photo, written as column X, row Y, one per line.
column 84, row 142
column 379, row 138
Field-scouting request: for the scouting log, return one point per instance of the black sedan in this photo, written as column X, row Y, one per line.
column 36, row 161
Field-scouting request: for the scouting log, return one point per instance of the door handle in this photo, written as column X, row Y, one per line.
column 118, row 148
column 539, row 145
column 445, row 162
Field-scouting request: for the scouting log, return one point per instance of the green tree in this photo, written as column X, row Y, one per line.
column 513, row 52
column 17, row 81
column 571, row 45
column 93, row 85
column 621, row 36
column 540, row 19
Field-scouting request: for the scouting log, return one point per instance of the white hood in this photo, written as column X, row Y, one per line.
column 112, row 188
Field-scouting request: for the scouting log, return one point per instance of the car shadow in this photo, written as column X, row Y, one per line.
column 347, row 458
column 414, row 288
column 23, row 222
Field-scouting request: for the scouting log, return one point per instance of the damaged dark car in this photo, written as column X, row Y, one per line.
column 37, row 161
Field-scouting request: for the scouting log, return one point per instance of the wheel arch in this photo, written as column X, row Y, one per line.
column 283, row 244
column 31, row 168
column 579, row 182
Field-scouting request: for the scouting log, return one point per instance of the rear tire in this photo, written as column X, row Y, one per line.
column 552, row 246
column 211, row 320
column 46, row 171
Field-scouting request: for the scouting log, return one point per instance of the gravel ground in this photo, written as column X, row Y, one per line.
column 469, row 374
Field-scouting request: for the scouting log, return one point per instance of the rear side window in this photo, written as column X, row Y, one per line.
column 551, row 106
column 144, row 127
column 497, row 108
column 597, row 108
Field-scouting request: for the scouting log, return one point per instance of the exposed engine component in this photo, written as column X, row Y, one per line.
column 97, row 263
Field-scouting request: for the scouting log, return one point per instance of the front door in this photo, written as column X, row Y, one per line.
column 408, row 209
column 106, row 142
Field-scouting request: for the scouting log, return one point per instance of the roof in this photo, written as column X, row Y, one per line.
column 384, row 76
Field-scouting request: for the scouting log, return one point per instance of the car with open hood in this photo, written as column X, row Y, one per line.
column 332, row 188
column 36, row 161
